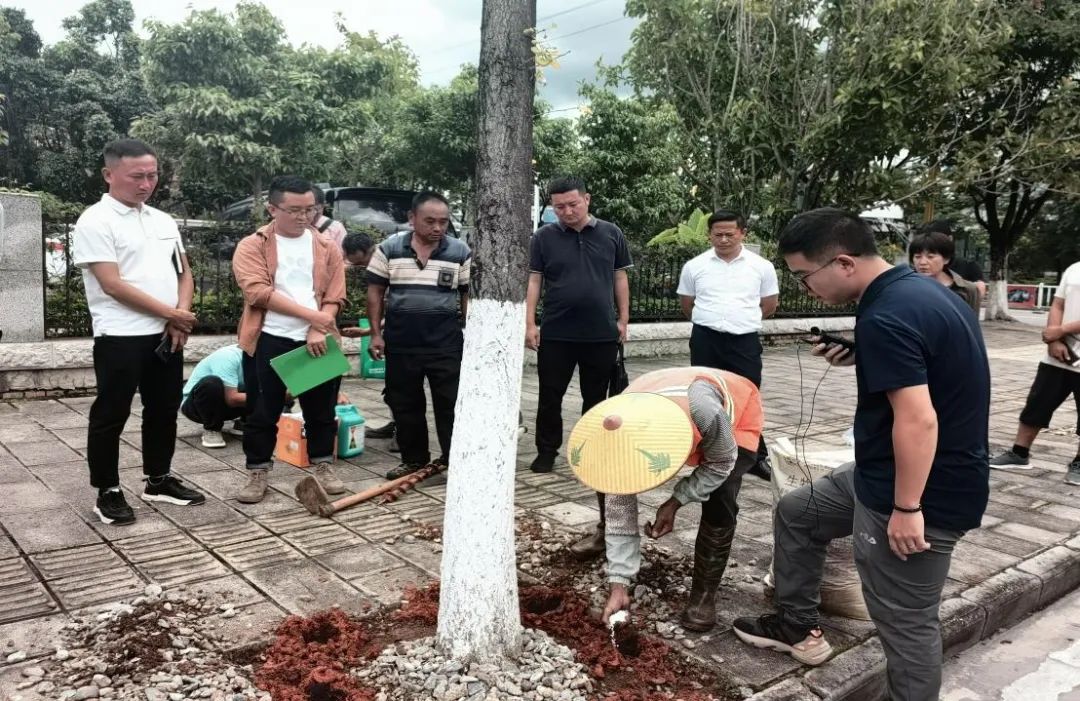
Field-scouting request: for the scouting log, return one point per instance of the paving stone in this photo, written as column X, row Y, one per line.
column 296, row 518
column 251, row 625
column 787, row 690
column 23, row 595
column 533, row 498
column 569, row 513
column 419, row 554
column 1007, row 597
column 570, row 489
column 48, row 529
column 146, row 521
column 46, row 452
column 13, row 432
column 1029, row 533
column 74, row 438
column 972, row 563
column 361, row 562
column 319, row 540
column 424, row 510
column 223, row 483
column 87, row 575
column 188, row 461
column 387, row 587
column 305, row 587
column 63, row 420
column 257, row 553
column 1065, row 513
column 371, row 521
column 232, row 588
column 1059, row 570
column 855, row 675
column 962, row 624
column 28, row 496
column 235, row 530
column 170, row 558
column 211, row 511
column 12, row 472
column 999, row 542
column 748, row 665
column 34, row 636
column 1061, row 493
column 7, row 548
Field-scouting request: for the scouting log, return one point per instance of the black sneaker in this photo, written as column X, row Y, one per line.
column 1009, row 461
column 1072, row 475
column 544, row 462
column 807, row 645
column 171, row 491
column 405, row 468
column 384, row 431
column 112, row 508
column 761, row 469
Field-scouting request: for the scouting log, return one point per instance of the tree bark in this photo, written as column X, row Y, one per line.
column 479, row 616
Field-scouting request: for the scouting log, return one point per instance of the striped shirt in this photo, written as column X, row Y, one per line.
column 422, row 309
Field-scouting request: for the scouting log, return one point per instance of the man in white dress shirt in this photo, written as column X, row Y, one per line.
column 726, row 292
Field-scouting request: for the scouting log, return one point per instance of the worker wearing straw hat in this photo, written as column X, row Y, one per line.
column 702, row 417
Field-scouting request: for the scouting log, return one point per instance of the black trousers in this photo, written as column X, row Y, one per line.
column 555, row 362
column 122, row 366
column 317, row 405
column 405, row 374
column 737, row 353
column 206, row 404
column 722, row 506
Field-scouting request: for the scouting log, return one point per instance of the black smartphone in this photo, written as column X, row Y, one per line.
column 831, row 340
column 164, row 350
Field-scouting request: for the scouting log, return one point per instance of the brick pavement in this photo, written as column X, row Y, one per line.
column 57, row 559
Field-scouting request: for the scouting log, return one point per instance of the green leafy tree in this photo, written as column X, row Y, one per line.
column 1051, row 244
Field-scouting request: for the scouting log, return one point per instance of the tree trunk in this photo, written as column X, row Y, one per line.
column 479, row 616
column 997, row 302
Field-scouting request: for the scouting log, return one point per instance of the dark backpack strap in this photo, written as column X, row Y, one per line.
column 325, row 225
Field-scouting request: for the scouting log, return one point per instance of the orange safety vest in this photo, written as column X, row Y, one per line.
column 674, row 383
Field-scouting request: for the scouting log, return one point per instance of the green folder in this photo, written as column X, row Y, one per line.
column 300, row 371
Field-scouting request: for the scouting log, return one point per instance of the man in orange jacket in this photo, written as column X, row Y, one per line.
column 706, row 418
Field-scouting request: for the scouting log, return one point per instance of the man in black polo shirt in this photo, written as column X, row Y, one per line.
column 581, row 263
column 921, row 476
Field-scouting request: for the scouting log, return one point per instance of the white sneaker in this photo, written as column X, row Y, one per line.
column 213, row 439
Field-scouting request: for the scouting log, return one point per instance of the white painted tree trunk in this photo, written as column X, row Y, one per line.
column 478, row 607
column 997, row 302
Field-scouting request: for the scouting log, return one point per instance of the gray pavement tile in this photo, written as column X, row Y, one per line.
column 187, row 461
column 972, row 563
column 359, row 562
column 747, row 664
column 253, row 554
column 23, row 595
column 48, row 529
column 87, row 575
column 569, row 513
column 251, row 625
column 1000, row 543
column 293, row 518
column 223, row 483
column 45, row 452
column 36, row 636
column 319, row 540
column 372, row 521
column 196, row 515
column 74, row 438
column 26, row 432
column 234, row 530
column 27, row 496
column 232, row 589
column 305, row 587
column 387, row 587
column 421, row 554
column 7, row 548
column 63, row 419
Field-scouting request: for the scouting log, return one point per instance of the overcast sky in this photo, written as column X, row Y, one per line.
column 443, row 33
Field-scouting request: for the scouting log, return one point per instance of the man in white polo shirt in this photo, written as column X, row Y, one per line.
column 139, row 290
column 726, row 292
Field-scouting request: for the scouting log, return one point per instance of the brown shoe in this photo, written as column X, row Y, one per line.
column 711, row 551
column 329, row 481
column 254, row 491
column 590, row 546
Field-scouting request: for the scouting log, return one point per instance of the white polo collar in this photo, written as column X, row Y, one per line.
column 119, row 207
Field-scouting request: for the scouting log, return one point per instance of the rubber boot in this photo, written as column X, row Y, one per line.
column 590, row 546
column 711, row 551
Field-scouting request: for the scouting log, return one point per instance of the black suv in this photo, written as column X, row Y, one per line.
column 382, row 209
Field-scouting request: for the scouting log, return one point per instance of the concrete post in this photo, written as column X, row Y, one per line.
column 22, row 299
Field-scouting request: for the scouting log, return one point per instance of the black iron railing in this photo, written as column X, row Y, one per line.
column 654, row 280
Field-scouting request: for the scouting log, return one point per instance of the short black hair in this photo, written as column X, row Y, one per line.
column 356, row 242
column 722, row 215
column 931, row 242
column 126, row 148
column 425, row 196
column 942, row 226
column 287, row 183
column 320, row 196
column 824, row 232
column 564, row 184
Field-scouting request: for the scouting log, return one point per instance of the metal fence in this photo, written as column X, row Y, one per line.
column 218, row 303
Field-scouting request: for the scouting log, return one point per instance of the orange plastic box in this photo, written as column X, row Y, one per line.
column 292, row 445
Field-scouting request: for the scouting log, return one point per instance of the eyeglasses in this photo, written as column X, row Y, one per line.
column 298, row 211
column 803, row 277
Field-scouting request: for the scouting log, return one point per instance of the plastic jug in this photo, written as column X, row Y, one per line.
column 350, row 437
column 369, row 367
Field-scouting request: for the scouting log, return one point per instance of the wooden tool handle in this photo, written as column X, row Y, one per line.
column 359, row 497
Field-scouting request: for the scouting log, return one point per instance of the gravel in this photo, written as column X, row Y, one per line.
column 152, row 648
column 414, row 670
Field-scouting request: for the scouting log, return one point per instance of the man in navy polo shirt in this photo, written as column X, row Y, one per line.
column 920, row 478
column 580, row 262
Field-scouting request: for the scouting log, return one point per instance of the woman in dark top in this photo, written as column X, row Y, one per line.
column 930, row 254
